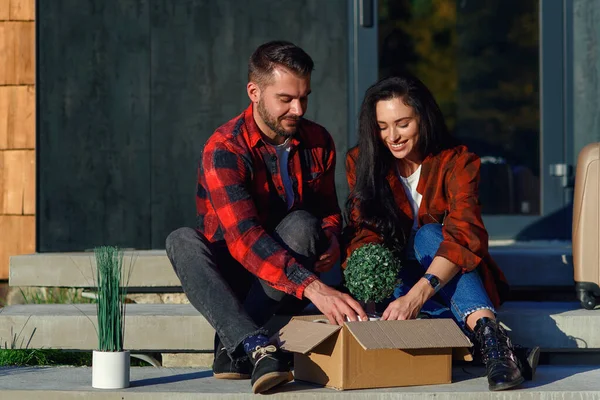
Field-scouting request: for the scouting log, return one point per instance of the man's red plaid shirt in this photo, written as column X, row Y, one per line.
column 241, row 196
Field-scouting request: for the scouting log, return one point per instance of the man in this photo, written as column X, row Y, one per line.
column 268, row 221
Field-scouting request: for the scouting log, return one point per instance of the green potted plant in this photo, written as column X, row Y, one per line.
column 111, row 362
column 371, row 274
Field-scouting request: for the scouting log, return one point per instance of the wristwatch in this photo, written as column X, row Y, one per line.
column 434, row 281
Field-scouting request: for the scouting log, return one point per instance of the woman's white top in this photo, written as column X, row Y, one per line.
column 414, row 198
column 410, row 187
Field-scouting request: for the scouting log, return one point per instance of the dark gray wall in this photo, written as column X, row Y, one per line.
column 129, row 91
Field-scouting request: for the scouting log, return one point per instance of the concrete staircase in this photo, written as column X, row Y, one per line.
column 554, row 326
column 543, row 267
column 567, row 333
column 539, row 265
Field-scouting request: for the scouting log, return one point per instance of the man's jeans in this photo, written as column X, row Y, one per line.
column 463, row 295
column 235, row 302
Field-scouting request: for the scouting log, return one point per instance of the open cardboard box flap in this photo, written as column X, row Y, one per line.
column 410, row 334
column 301, row 335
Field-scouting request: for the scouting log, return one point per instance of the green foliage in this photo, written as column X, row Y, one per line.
column 371, row 272
column 17, row 353
column 39, row 357
column 111, row 283
column 53, row 296
column 47, row 357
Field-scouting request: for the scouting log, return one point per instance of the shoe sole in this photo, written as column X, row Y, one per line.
column 231, row 375
column 271, row 380
column 533, row 359
column 508, row 385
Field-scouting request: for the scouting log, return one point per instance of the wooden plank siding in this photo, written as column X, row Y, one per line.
column 17, row 117
column 17, row 232
column 4, row 10
column 17, row 46
column 17, row 182
column 21, row 10
column 17, row 130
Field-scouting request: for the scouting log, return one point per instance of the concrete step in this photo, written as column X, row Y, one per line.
column 525, row 264
column 535, row 264
column 150, row 269
column 147, row 327
column 556, row 326
column 62, row 383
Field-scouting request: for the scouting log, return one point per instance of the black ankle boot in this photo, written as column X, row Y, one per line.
column 528, row 360
column 497, row 353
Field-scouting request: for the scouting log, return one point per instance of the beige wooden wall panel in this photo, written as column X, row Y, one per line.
column 17, row 130
column 18, row 237
column 4, row 10
column 17, row 117
column 17, row 182
column 21, row 10
column 17, row 47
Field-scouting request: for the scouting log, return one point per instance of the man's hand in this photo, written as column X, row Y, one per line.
column 330, row 256
column 334, row 304
column 407, row 306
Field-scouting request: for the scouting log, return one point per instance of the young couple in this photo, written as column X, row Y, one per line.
column 269, row 221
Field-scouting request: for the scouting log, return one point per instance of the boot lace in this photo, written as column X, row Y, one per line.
column 495, row 345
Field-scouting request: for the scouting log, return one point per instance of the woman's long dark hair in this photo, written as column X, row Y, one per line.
column 372, row 193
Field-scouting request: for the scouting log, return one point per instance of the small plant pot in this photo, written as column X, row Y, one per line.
column 110, row 369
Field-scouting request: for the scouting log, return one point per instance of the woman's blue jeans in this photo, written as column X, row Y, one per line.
column 463, row 295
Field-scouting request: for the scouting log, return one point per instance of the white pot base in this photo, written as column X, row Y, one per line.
column 110, row 370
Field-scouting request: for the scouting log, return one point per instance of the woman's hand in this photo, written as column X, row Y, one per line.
column 407, row 306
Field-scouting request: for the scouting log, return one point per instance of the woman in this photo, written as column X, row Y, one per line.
column 416, row 190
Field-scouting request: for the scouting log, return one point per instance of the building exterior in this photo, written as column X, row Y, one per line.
column 129, row 90
column 17, row 130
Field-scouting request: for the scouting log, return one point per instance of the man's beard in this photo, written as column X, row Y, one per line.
column 274, row 124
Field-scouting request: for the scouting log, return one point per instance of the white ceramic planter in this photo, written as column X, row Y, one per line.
column 110, row 370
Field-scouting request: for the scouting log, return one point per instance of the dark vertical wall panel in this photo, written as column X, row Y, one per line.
column 130, row 90
column 93, row 142
column 199, row 73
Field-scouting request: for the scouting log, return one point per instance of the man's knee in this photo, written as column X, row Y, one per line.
column 300, row 224
column 301, row 233
column 179, row 237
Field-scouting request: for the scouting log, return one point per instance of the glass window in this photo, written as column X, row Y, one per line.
column 481, row 61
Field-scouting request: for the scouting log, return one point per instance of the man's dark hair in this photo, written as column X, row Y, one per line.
column 278, row 53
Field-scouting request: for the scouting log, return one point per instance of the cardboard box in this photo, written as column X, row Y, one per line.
column 372, row 354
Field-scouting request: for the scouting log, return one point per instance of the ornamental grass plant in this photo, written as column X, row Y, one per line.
column 112, row 279
column 371, row 273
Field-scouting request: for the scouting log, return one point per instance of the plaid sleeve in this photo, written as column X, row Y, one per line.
column 226, row 175
column 465, row 237
column 332, row 216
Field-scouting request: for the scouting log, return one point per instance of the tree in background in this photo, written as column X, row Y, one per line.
column 480, row 59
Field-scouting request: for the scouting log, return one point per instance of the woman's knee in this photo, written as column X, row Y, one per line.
column 427, row 241
column 429, row 232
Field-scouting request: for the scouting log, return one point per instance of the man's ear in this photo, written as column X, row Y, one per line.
column 253, row 92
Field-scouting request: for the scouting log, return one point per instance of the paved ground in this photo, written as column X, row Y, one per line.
column 552, row 382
